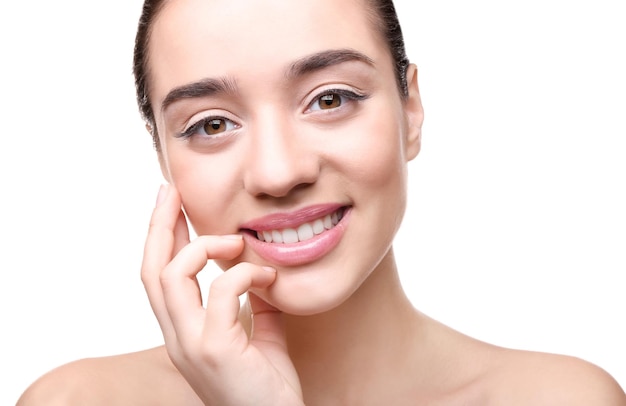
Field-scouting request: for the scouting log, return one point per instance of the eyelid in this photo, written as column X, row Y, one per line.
column 197, row 123
column 351, row 95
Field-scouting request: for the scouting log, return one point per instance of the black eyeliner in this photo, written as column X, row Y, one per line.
column 345, row 93
column 195, row 126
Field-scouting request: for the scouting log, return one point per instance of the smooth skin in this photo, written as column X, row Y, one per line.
column 444, row 367
column 447, row 368
column 194, row 334
column 335, row 331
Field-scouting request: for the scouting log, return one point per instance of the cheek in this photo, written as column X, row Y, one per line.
column 206, row 186
column 379, row 168
column 373, row 151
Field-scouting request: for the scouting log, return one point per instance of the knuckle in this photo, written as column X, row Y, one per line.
column 145, row 281
column 166, row 277
column 146, row 276
column 220, row 286
column 155, row 226
column 193, row 352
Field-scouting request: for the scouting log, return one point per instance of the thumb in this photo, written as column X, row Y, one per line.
column 267, row 321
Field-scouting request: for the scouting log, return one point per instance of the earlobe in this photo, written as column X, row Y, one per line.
column 414, row 115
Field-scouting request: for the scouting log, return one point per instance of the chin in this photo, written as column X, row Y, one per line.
column 307, row 293
column 297, row 303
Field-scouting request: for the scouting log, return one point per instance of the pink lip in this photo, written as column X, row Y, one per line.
column 298, row 253
column 278, row 221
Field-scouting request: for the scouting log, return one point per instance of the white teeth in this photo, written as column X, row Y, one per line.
column 318, row 226
column 304, row 232
column 328, row 223
column 277, row 236
column 290, row 236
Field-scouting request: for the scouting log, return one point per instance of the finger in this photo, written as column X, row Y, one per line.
column 181, row 233
column 223, row 303
column 181, row 239
column 158, row 250
column 179, row 284
column 267, row 321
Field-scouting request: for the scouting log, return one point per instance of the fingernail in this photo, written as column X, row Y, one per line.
column 162, row 195
column 269, row 269
column 233, row 236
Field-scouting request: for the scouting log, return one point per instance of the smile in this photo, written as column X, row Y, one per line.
column 304, row 232
column 297, row 238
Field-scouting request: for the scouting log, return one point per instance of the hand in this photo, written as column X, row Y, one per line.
column 210, row 346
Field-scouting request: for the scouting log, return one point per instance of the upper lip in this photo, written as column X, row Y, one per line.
column 293, row 219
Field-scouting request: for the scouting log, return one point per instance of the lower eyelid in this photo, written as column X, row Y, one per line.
column 193, row 129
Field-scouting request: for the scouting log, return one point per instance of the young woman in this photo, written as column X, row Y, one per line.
column 284, row 130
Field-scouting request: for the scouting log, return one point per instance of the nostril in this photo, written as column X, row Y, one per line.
column 278, row 168
column 281, row 193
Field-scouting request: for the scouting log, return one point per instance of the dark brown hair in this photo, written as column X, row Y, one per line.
column 384, row 16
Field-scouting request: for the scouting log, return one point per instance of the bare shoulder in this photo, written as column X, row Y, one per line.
column 532, row 378
column 479, row 373
column 139, row 378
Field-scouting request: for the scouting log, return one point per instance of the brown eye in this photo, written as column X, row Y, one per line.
column 215, row 126
column 329, row 101
column 210, row 127
column 334, row 99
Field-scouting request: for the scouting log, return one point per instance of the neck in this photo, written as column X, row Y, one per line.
column 372, row 334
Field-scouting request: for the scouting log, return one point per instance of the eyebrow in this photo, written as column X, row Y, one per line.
column 301, row 67
column 325, row 59
column 202, row 88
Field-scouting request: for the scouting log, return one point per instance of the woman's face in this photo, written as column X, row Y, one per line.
column 282, row 119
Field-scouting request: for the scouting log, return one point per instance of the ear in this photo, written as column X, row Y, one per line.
column 414, row 113
column 159, row 152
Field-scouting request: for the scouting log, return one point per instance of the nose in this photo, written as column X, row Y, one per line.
column 280, row 160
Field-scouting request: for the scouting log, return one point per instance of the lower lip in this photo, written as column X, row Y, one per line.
column 299, row 253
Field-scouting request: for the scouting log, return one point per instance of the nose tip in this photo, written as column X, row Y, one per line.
column 278, row 165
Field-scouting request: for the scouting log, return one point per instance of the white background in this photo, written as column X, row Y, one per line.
column 516, row 228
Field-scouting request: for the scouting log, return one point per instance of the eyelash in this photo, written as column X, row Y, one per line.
column 342, row 93
column 195, row 127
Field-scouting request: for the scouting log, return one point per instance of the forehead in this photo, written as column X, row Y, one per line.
column 195, row 39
